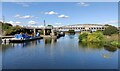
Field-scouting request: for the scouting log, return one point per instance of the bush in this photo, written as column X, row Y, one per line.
column 8, row 29
column 71, row 31
column 110, row 30
column 118, row 46
column 83, row 37
column 114, row 43
column 93, row 37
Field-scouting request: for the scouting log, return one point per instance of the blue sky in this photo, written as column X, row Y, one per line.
column 60, row 13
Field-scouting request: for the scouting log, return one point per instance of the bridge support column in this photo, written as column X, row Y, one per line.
column 34, row 32
column 52, row 32
column 44, row 32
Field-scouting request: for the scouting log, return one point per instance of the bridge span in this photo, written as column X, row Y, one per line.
column 76, row 28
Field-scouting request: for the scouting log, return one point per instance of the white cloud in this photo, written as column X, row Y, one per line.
column 1, row 20
column 11, row 22
column 14, row 23
column 112, row 22
column 17, row 15
column 58, row 24
column 63, row 16
column 68, row 24
column 40, row 26
column 82, row 4
column 51, row 13
column 32, row 22
column 24, row 17
column 18, row 22
column 23, row 4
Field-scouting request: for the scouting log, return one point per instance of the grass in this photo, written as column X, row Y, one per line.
column 112, row 41
column 114, row 37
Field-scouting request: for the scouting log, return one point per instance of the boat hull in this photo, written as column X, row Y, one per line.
column 23, row 40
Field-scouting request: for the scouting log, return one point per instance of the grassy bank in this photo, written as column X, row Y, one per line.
column 98, row 37
column 112, row 41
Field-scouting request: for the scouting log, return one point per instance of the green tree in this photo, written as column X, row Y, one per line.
column 95, row 37
column 83, row 37
column 71, row 31
column 8, row 29
column 50, row 25
column 110, row 30
column 6, row 26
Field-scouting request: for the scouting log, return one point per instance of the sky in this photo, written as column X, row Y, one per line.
column 60, row 0
column 60, row 13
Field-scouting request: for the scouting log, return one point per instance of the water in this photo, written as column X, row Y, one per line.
column 63, row 53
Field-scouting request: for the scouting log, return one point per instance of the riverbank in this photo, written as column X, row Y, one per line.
column 112, row 41
column 98, row 37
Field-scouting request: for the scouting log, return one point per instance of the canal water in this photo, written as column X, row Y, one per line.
column 63, row 53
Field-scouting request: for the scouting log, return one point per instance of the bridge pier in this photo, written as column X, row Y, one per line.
column 34, row 32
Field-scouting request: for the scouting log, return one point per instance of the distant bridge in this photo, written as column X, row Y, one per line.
column 77, row 28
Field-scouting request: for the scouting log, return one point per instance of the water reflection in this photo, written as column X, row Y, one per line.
column 96, row 46
column 71, row 36
column 107, row 55
column 91, row 45
column 110, row 49
column 50, row 41
column 20, row 45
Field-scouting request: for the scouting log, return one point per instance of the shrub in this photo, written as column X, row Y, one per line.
column 83, row 37
column 114, row 43
column 95, row 37
column 71, row 31
column 118, row 46
column 110, row 30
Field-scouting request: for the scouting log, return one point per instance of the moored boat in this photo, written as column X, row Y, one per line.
column 15, row 40
column 24, row 37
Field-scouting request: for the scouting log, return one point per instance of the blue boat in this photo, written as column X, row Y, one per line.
column 23, row 38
